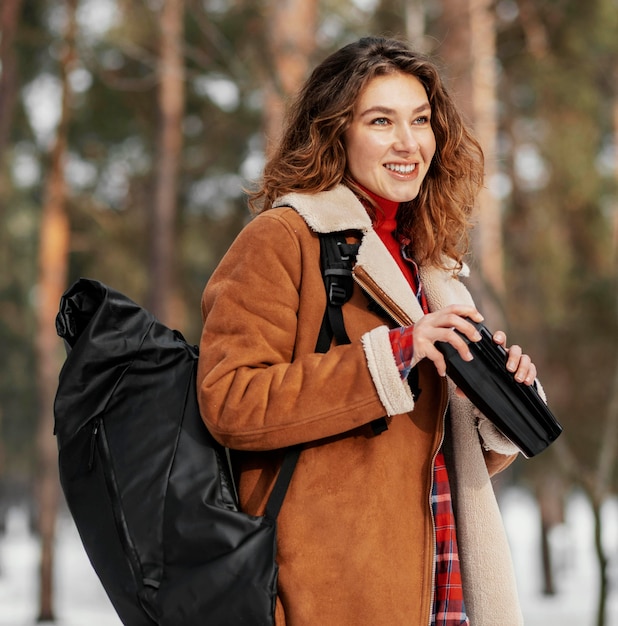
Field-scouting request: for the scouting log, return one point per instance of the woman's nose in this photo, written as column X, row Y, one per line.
column 406, row 139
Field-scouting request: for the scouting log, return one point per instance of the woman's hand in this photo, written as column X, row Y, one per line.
column 518, row 363
column 440, row 326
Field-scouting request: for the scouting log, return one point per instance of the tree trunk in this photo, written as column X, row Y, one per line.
column 414, row 11
column 550, row 500
column 549, row 588
column 171, row 101
column 485, row 120
column 469, row 52
column 597, row 486
column 602, row 561
column 53, row 270
column 615, row 133
column 601, row 490
column 9, row 17
column 290, row 33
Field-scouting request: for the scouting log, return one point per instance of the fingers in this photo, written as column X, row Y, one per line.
column 521, row 365
column 442, row 326
column 518, row 363
column 500, row 338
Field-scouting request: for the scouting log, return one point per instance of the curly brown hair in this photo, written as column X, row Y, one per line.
column 311, row 155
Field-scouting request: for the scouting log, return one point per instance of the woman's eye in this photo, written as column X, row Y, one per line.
column 380, row 121
column 422, row 120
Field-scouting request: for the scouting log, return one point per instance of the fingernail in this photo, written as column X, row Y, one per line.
column 469, row 356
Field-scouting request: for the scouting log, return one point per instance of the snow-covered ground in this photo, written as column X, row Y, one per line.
column 81, row 601
column 574, row 561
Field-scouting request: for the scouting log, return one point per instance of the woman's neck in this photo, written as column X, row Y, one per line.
column 387, row 208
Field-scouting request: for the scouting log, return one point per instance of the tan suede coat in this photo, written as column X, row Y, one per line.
column 355, row 535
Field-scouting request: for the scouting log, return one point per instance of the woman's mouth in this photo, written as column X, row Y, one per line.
column 401, row 169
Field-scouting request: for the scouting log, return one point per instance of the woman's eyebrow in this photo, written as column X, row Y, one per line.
column 384, row 110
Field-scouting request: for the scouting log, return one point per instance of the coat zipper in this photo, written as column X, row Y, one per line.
column 401, row 318
column 375, row 293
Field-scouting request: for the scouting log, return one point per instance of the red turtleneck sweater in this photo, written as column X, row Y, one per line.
column 385, row 225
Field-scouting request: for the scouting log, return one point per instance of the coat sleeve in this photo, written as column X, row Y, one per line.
column 260, row 385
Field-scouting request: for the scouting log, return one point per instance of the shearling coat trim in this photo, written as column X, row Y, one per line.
column 489, row 581
column 381, row 362
column 325, row 213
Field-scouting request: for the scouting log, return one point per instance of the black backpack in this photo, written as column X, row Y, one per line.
column 150, row 491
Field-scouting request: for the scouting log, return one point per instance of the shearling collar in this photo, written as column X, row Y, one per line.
column 339, row 210
column 329, row 211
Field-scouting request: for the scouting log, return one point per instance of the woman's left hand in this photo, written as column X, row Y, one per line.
column 518, row 363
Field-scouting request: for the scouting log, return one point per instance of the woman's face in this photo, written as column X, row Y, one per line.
column 390, row 143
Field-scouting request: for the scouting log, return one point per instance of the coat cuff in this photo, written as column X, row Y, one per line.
column 394, row 393
column 493, row 439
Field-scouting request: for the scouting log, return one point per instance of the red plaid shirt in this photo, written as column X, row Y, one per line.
column 448, row 604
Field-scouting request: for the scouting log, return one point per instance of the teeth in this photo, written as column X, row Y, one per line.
column 401, row 169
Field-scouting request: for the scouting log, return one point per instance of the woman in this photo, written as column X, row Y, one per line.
column 396, row 528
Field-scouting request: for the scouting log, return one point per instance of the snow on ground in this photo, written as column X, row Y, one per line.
column 574, row 561
column 80, row 598
column 81, row 601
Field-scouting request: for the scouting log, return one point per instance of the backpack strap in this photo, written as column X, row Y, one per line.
column 337, row 259
column 275, row 500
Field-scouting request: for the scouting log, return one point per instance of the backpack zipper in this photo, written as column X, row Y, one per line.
column 93, row 444
column 99, row 437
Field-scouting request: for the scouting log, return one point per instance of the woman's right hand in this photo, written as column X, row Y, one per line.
column 440, row 326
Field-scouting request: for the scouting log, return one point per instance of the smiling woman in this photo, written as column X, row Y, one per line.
column 374, row 150
column 390, row 143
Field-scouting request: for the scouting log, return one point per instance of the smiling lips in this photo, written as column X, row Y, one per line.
column 401, row 169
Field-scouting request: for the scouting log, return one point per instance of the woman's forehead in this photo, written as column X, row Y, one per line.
column 384, row 90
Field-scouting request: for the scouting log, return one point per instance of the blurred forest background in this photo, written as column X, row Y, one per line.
column 129, row 128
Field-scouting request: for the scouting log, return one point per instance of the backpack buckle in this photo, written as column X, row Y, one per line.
column 337, row 295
